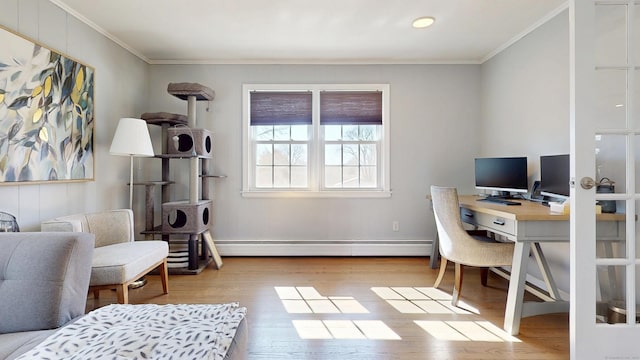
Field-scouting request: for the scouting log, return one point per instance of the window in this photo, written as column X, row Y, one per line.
column 316, row 140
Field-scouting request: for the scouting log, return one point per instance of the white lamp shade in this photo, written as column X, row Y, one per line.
column 132, row 138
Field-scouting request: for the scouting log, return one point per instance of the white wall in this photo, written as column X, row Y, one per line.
column 121, row 89
column 435, row 114
column 525, row 109
column 442, row 117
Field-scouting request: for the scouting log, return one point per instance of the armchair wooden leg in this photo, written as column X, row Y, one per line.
column 443, row 269
column 122, row 293
column 164, row 276
column 457, row 285
column 484, row 273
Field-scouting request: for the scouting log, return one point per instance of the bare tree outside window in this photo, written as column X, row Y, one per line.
column 281, row 160
column 351, row 158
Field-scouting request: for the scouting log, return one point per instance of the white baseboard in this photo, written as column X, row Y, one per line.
column 324, row 247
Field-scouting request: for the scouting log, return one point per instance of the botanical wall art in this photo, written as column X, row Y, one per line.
column 46, row 114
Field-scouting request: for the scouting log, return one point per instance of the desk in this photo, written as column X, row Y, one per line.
column 528, row 225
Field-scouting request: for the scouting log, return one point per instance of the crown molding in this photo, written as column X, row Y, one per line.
column 526, row 32
column 99, row 29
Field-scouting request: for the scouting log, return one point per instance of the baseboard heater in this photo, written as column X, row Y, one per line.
column 324, row 247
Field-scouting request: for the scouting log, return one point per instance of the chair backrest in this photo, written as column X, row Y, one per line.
column 44, row 279
column 109, row 227
column 455, row 243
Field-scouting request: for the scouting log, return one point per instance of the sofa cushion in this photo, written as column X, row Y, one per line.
column 44, row 279
column 118, row 263
column 13, row 345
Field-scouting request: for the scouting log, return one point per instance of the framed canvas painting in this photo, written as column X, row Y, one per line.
column 46, row 114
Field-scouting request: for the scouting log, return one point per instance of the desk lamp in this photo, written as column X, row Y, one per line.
column 131, row 139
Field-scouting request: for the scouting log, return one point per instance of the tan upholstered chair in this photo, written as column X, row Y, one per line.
column 458, row 246
column 118, row 260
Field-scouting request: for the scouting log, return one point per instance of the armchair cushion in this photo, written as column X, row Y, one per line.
column 118, row 263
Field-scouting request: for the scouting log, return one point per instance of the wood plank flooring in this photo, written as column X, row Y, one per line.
column 364, row 308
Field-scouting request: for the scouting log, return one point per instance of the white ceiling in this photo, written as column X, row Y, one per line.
column 304, row 31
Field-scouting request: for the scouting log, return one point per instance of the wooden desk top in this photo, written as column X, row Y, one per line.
column 527, row 211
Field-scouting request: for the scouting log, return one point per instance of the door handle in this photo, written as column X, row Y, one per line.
column 587, row 183
column 499, row 222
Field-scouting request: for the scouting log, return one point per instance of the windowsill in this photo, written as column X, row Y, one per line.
column 316, row 194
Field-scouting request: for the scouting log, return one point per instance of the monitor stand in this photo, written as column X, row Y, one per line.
column 505, row 195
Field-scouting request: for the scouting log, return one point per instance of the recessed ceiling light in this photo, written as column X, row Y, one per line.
column 423, row 22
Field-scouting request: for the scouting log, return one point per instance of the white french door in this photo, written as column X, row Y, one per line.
column 605, row 143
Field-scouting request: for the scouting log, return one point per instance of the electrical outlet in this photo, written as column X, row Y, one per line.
column 396, row 225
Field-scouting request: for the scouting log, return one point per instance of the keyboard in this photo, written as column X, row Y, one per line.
column 500, row 201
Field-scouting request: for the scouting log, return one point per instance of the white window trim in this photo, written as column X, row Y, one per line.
column 314, row 155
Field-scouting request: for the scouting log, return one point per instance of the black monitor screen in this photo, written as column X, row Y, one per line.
column 554, row 175
column 508, row 174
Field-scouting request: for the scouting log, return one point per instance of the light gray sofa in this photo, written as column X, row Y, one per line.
column 44, row 279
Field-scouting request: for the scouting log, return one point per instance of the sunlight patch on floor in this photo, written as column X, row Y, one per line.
column 311, row 329
column 287, row 292
column 406, row 300
column 307, row 300
column 376, row 329
column 465, row 331
column 309, row 292
column 296, row 307
column 349, row 306
column 323, row 307
column 421, row 300
column 344, row 329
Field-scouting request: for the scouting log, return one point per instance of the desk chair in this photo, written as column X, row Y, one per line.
column 458, row 246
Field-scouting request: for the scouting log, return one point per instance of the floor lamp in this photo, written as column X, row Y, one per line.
column 131, row 139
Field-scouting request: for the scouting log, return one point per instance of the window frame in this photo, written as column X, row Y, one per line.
column 316, row 146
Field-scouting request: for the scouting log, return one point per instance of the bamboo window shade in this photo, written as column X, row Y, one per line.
column 280, row 108
column 351, row 108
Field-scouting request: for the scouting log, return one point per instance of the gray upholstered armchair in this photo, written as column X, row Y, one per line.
column 118, row 259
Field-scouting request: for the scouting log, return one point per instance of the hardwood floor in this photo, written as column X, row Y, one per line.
column 375, row 310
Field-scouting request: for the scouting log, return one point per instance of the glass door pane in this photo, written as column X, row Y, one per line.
column 616, row 150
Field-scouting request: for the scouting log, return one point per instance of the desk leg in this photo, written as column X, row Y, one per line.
column 515, row 296
column 546, row 272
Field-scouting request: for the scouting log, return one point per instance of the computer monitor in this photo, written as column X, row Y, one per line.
column 502, row 175
column 554, row 176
